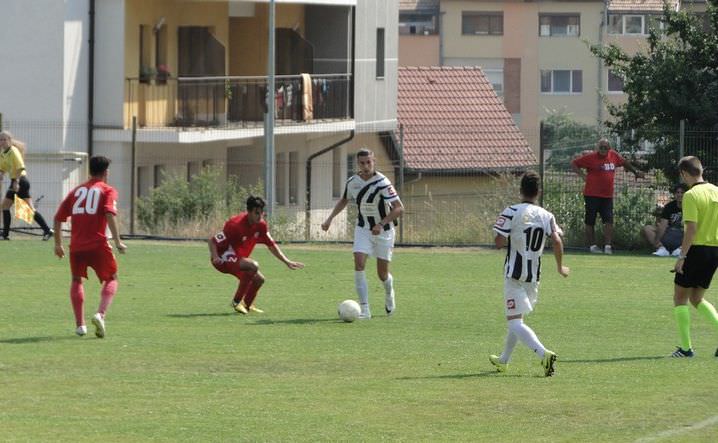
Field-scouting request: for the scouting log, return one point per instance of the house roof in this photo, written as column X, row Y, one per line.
column 418, row 5
column 639, row 5
column 453, row 120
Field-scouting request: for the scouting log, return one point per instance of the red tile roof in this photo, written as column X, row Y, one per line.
column 453, row 120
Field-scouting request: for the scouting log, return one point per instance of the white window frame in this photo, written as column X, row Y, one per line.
column 570, row 82
column 545, row 30
column 495, row 74
column 643, row 24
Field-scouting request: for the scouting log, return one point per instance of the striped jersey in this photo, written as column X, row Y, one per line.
column 526, row 226
column 372, row 198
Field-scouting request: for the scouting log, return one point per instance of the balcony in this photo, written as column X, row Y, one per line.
column 236, row 102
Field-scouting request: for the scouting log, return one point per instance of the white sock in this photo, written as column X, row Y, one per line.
column 527, row 336
column 511, row 340
column 362, row 289
column 388, row 285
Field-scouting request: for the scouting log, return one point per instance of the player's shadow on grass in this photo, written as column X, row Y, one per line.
column 27, row 340
column 613, row 360
column 471, row 375
column 293, row 321
column 203, row 314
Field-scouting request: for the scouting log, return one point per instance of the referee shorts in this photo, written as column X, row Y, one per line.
column 698, row 268
column 23, row 189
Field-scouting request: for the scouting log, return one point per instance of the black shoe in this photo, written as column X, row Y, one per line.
column 48, row 235
column 716, row 352
column 680, row 353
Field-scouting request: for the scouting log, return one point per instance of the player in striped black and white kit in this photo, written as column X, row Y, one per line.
column 378, row 206
column 524, row 228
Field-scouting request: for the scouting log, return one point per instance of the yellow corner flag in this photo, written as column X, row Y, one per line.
column 23, row 211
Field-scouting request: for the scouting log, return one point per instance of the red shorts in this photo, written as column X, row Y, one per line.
column 230, row 265
column 101, row 260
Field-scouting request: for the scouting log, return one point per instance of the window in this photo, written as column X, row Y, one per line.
column 615, row 82
column 159, row 171
column 146, row 69
column 496, row 78
column 336, row 173
column 293, row 177
column 615, row 24
column 559, row 25
column 561, row 81
column 193, row 168
column 482, row 23
column 633, row 24
column 417, row 24
column 380, row 53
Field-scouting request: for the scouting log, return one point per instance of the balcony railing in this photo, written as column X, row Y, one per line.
column 237, row 102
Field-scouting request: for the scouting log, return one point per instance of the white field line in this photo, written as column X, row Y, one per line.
column 682, row 430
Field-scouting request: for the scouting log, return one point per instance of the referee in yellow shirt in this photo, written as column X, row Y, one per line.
column 11, row 163
column 699, row 259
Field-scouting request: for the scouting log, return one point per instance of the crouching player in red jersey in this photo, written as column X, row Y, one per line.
column 93, row 208
column 231, row 248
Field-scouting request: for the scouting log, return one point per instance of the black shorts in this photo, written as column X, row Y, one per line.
column 698, row 268
column 23, row 189
column 598, row 205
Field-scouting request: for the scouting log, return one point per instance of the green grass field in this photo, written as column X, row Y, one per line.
column 179, row 365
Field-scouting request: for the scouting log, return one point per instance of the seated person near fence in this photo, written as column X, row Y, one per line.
column 667, row 234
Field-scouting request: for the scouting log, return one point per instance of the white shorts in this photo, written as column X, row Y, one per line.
column 519, row 297
column 379, row 246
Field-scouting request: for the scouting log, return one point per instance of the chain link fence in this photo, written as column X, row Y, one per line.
column 453, row 180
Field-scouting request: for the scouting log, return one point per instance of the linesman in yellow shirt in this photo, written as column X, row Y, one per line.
column 699, row 252
column 12, row 164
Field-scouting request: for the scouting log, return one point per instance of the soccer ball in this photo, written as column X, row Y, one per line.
column 348, row 310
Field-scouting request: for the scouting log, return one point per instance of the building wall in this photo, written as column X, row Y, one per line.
column 419, row 50
column 528, row 54
column 376, row 110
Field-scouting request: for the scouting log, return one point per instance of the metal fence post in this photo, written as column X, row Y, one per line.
column 682, row 140
column 133, row 179
column 542, row 146
column 401, row 176
column 0, row 121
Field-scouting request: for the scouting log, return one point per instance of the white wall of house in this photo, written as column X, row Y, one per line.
column 109, row 62
column 375, row 98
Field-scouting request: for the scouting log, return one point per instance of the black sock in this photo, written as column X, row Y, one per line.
column 41, row 221
column 6, row 222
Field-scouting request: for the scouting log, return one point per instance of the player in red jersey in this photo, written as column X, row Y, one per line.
column 93, row 208
column 231, row 248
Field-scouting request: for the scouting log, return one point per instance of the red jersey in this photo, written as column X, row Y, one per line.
column 88, row 204
column 600, row 172
column 238, row 237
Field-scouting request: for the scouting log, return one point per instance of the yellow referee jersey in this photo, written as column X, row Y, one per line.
column 11, row 162
column 700, row 205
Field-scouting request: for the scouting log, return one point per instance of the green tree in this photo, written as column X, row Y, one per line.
column 674, row 79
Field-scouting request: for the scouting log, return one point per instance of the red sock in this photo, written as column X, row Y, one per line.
column 109, row 288
column 77, row 297
column 252, row 293
column 244, row 282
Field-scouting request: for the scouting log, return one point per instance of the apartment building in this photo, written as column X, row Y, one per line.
column 535, row 53
column 191, row 75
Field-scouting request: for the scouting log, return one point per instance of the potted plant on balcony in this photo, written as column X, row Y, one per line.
column 163, row 73
column 147, row 74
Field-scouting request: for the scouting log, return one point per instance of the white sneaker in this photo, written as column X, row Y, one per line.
column 595, row 249
column 99, row 323
column 608, row 250
column 676, row 252
column 662, row 252
column 390, row 305
column 81, row 330
column 365, row 312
